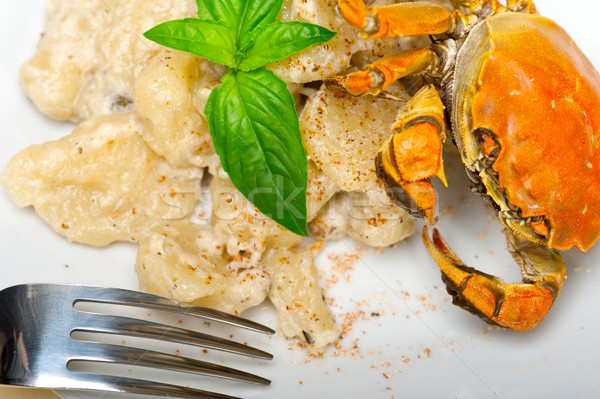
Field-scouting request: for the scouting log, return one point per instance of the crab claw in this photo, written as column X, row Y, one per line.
column 413, row 154
column 520, row 306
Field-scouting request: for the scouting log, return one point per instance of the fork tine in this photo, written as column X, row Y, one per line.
column 118, row 296
column 118, row 325
column 97, row 382
column 107, row 353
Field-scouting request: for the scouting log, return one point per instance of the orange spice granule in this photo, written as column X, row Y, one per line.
column 425, row 353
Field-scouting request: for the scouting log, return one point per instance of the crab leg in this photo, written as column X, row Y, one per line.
column 413, row 154
column 396, row 20
column 518, row 306
column 377, row 76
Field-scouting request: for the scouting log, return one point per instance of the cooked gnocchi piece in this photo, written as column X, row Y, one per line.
column 87, row 59
column 170, row 93
column 184, row 261
column 342, row 135
column 296, row 294
column 241, row 226
column 102, row 183
column 368, row 218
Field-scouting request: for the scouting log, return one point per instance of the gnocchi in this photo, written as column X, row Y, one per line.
column 102, row 183
column 135, row 167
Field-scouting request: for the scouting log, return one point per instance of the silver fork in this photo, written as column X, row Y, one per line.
column 37, row 322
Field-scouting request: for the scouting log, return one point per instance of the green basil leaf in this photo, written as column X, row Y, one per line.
column 225, row 12
column 205, row 39
column 243, row 16
column 258, row 13
column 279, row 40
column 255, row 131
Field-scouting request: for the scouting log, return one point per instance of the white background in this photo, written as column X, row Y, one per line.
column 466, row 359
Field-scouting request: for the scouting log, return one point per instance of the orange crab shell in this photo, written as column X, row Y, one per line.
column 523, row 78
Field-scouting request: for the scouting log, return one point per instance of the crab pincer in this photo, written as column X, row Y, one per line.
column 520, row 306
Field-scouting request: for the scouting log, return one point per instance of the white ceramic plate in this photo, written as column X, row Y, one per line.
column 408, row 340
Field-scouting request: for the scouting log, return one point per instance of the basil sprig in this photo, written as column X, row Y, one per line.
column 251, row 116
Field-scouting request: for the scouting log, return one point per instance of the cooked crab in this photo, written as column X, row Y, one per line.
column 523, row 103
